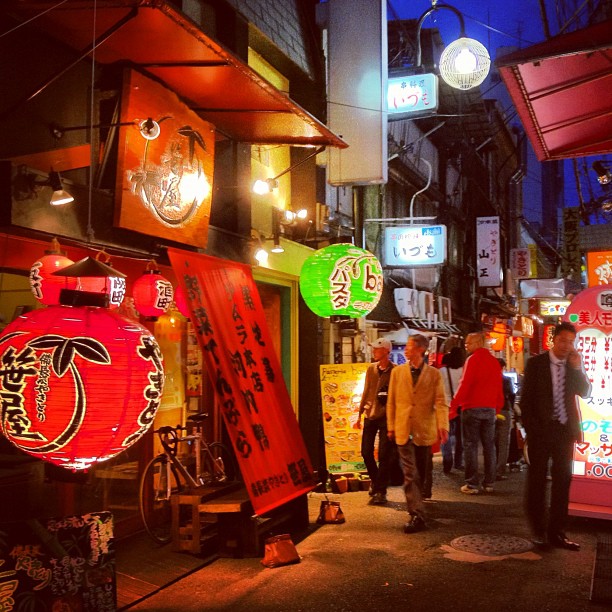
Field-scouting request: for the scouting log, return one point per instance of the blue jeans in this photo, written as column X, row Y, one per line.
column 453, row 447
column 479, row 426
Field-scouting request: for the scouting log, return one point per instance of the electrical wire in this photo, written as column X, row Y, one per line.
column 34, row 18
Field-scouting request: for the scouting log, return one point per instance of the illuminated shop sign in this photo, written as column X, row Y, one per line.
column 553, row 308
column 599, row 268
column 415, row 245
column 412, row 94
column 591, row 313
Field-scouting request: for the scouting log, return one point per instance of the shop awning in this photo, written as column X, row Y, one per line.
column 562, row 90
column 157, row 39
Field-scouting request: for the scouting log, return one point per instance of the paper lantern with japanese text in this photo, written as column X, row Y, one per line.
column 152, row 294
column 78, row 385
column 341, row 279
column 113, row 286
column 45, row 285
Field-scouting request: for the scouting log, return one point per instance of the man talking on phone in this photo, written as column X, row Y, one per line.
column 549, row 411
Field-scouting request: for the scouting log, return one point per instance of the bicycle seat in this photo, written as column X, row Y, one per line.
column 198, row 418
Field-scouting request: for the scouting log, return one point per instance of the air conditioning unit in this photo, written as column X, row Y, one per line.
column 406, row 302
column 426, row 304
column 444, row 310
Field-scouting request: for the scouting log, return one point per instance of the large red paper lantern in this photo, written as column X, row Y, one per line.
column 78, row 385
column 45, row 285
column 152, row 294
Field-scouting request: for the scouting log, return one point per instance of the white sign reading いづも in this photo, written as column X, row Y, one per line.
column 415, row 245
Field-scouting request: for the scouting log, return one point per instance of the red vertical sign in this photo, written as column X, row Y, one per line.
column 231, row 329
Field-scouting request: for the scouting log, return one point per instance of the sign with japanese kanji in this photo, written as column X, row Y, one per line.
column 412, row 94
column 231, row 329
column 591, row 313
column 415, row 245
column 520, row 263
column 341, row 391
column 571, row 260
column 488, row 251
column 599, row 268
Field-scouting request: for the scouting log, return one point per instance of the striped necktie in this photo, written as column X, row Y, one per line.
column 560, row 413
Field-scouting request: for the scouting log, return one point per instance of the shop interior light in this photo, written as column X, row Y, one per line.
column 149, row 128
column 60, row 195
column 26, row 184
column 603, row 174
column 277, row 247
column 261, row 255
column 465, row 63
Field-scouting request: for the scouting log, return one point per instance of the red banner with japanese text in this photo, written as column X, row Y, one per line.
column 231, row 328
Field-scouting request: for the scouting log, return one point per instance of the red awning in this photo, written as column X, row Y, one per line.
column 157, row 39
column 562, row 90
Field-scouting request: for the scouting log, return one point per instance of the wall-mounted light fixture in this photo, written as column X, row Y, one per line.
column 465, row 63
column 26, row 184
column 149, row 128
column 263, row 186
column 603, row 174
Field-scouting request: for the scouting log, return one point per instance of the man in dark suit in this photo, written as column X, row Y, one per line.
column 550, row 415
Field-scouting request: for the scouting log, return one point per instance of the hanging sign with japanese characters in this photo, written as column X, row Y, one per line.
column 488, row 251
column 520, row 263
column 591, row 313
column 415, row 245
column 231, row 328
column 411, row 95
column 571, row 260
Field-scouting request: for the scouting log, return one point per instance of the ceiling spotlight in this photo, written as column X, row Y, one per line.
column 261, row 187
column 277, row 247
column 603, row 174
column 302, row 214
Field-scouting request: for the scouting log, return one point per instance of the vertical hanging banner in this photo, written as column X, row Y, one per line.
column 245, row 372
column 520, row 263
column 571, row 262
column 488, row 251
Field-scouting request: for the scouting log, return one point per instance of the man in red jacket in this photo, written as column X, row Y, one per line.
column 481, row 398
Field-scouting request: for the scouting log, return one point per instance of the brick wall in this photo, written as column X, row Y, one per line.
column 281, row 22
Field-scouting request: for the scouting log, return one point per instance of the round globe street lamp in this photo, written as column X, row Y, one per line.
column 465, row 63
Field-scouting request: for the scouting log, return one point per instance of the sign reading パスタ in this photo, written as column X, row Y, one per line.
column 231, row 328
column 341, row 391
column 165, row 164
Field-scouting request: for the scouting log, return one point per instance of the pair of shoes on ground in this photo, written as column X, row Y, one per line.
column 379, row 499
column 470, row 490
column 415, row 523
column 558, row 540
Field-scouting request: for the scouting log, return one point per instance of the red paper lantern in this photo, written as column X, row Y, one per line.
column 181, row 302
column 78, row 385
column 45, row 285
column 152, row 294
column 113, row 286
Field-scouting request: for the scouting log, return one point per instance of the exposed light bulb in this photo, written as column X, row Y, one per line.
column 465, row 62
column 261, row 255
column 302, row 213
column 261, row 187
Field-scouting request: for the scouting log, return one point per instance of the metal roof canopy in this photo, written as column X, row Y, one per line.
column 562, row 90
column 162, row 42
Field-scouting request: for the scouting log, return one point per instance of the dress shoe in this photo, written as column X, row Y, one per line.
column 379, row 499
column 416, row 523
column 540, row 541
column 560, row 541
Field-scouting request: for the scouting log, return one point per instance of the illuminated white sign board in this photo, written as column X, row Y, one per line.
column 553, row 308
column 415, row 245
column 412, row 94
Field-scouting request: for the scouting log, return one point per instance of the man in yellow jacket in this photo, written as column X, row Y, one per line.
column 417, row 417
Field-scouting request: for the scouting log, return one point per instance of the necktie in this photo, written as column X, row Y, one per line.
column 559, row 414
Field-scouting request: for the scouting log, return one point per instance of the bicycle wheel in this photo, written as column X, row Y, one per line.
column 154, row 498
column 218, row 465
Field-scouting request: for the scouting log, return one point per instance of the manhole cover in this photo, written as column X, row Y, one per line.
column 491, row 545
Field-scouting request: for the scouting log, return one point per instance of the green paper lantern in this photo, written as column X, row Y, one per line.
column 341, row 279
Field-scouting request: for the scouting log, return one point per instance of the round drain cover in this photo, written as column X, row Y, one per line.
column 491, row 545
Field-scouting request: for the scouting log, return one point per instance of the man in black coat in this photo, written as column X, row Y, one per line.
column 549, row 411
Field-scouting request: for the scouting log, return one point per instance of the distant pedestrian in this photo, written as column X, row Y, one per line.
column 480, row 398
column 550, row 415
column 451, row 371
column 417, row 416
column 503, row 424
column 374, row 406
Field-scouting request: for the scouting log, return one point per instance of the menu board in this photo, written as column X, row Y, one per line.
column 341, row 391
column 65, row 564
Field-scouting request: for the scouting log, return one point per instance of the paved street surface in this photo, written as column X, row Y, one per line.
column 370, row 564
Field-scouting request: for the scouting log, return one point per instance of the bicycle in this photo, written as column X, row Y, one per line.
column 167, row 474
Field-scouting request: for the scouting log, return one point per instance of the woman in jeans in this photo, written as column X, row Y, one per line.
column 452, row 451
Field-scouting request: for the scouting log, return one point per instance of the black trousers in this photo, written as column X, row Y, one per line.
column 556, row 443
